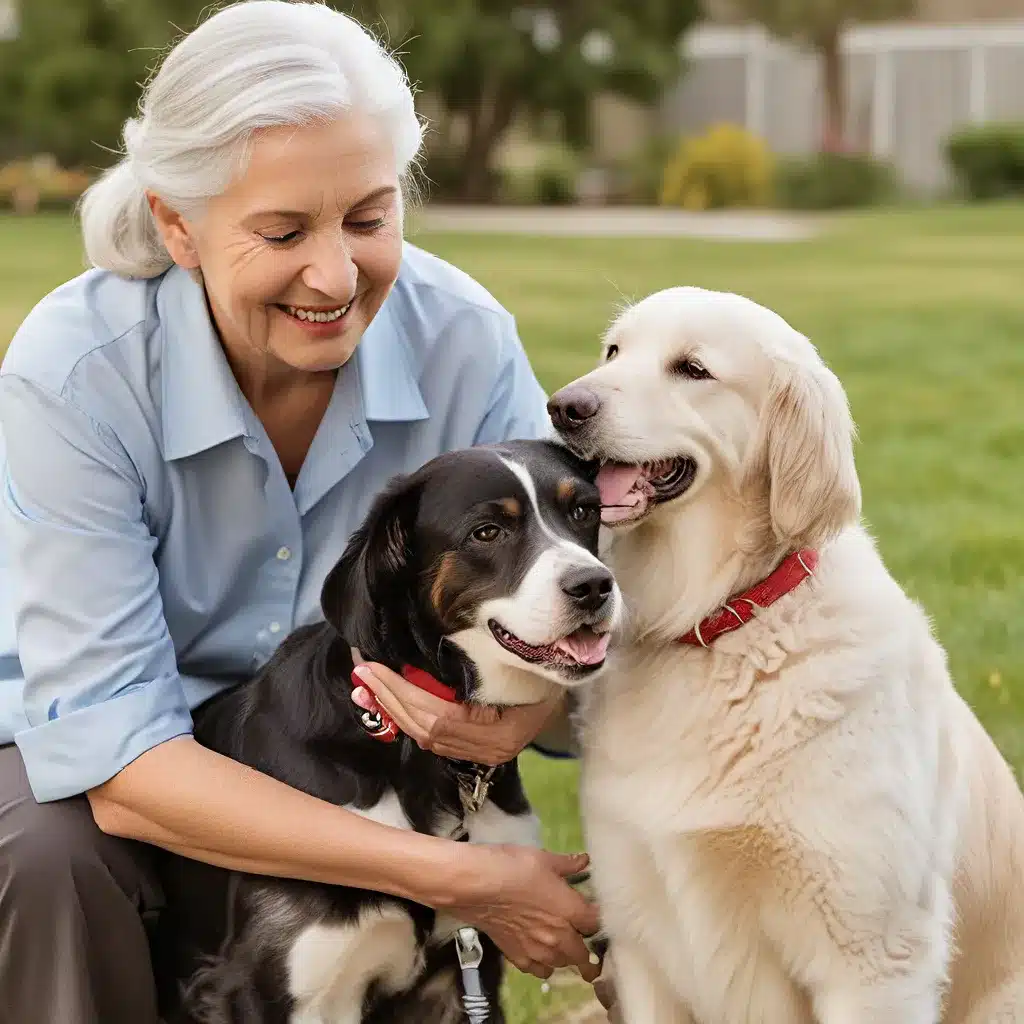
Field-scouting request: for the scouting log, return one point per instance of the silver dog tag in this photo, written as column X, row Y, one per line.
column 474, row 796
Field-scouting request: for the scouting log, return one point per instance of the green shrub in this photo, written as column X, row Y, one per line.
column 727, row 166
column 641, row 176
column 550, row 182
column 517, row 186
column 988, row 160
column 442, row 175
column 556, row 179
column 834, row 181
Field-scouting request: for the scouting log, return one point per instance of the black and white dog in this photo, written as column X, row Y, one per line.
column 480, row 568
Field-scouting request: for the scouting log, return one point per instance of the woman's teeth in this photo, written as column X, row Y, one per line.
column 319, row 316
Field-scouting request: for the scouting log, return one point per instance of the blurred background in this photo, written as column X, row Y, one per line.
column 688, row 103
column 857, row 165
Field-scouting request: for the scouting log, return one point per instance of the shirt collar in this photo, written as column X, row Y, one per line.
column 390, row 391
column 202, row 403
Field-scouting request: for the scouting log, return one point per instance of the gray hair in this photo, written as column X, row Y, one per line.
column 254, row 64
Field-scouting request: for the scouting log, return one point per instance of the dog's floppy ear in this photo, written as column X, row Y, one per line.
column 375, row 562
column 807, row 452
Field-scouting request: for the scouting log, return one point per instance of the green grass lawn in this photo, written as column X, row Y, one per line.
column 921, row 313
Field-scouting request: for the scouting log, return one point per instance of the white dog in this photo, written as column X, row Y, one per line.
column 793, row 817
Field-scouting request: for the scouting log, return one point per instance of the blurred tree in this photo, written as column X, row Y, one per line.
column 819, row 24
column 74, row 72
column 489, row 61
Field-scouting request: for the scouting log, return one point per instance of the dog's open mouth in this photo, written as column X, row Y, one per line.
column 628, row 492
column 582, row 648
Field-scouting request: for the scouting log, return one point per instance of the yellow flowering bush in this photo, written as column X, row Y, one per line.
column 726, row 166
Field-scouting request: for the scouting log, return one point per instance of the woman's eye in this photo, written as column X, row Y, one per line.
column 284, row 239
column 611, row 352
column 486, row 534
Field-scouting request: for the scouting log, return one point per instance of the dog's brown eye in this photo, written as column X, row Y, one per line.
column 689, row 368
column 611, row 352
column 487, row 533
column 581, row 513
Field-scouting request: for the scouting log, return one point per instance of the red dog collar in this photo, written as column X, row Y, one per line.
column 378, row 723
column 739, row 610
column 474, row 780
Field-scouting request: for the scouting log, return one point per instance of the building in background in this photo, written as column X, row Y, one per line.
column 8, row 19
column 908, row 86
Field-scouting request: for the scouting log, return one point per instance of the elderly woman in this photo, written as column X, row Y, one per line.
column 193, row 428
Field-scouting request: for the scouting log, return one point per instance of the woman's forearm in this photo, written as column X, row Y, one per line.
column 195, row 802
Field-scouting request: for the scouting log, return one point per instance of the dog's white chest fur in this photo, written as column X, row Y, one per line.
column 661, row 821
column 330, row 966
column 780, row 826
column 768, row 815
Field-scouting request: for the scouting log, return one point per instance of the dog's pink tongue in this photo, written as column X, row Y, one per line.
column 615, row 484
column 584, row 647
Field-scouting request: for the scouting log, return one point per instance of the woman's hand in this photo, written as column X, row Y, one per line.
column 519, row 897
column 465, row 732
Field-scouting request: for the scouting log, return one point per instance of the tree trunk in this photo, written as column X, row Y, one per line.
column 488, row 121
column 832, row 140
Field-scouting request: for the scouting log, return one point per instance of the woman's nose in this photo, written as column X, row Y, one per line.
column 332, row 270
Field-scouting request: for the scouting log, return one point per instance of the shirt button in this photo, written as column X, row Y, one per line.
column 284, row 554
column 275, row 627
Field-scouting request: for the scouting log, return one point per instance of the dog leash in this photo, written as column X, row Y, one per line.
column 470, row 952
column 473, row 786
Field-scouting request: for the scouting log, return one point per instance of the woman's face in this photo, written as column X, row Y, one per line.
column 299, row 253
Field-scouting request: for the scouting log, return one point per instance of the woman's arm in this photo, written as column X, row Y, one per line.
column 101, row 683
column 184, row 797
column 107, row 712
column 202, row 805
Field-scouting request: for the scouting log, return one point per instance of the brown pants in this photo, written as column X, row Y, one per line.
column 78, row 911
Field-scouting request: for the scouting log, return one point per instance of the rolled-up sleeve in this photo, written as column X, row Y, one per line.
column 101, row 681
column 517, row 407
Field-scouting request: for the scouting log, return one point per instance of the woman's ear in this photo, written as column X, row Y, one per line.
column 174, row 232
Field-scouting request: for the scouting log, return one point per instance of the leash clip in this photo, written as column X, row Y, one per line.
column 470, row 952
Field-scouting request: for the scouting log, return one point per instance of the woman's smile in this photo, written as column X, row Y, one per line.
column 318, row 321
column 316, row 217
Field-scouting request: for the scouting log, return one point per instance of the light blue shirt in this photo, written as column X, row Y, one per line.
column 151, row 550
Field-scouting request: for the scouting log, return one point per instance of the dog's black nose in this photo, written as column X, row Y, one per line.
column 588, row 588
column 573, row 406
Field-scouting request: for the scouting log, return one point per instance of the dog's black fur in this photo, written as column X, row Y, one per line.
column 295, row 721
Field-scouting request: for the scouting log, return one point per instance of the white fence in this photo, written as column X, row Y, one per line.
column 8, row 20
column 908, row 86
